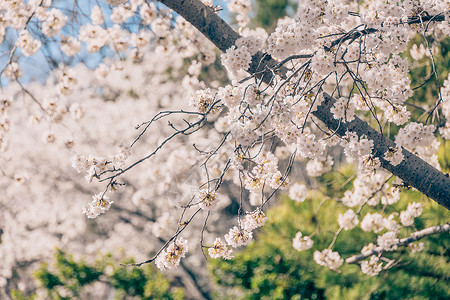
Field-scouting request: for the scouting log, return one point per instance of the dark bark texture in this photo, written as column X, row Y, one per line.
column 414, row 171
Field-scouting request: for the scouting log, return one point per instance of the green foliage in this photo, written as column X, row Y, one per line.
column 270, row 268
column 422, row 70
column 269, row 11
column 67, row 278
column 18, row 295
column 444, row 155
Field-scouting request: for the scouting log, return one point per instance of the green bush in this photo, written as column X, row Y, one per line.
column 67, row 278
column 270, row 268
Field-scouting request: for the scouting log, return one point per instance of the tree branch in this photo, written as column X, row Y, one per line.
column 413, row 170
column 403, row 242
column 360, row 33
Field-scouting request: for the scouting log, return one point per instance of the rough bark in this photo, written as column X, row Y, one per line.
column 413, row 170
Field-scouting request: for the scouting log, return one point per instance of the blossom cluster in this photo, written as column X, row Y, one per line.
column 301, row 243
column 376, row 222
column 348, row 220
column 388, row 241
column 170, row 257
column 298, row 192
column 99, row 205
column 94, row 166
column 235, row 59
column 202, row 100
column 370, row 188
column 328, row 258
column 413, row 211
column 208, row 200
column 394, row 155
column 29, row 45
column 220, row 250
column 371, row 267
column 238, row 235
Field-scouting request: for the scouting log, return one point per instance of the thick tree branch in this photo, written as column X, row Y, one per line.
column 206, row 21
column 413, row 170
column 403, row 242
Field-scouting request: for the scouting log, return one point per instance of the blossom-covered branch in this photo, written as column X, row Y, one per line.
column 413, row 170
column 402, row 242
